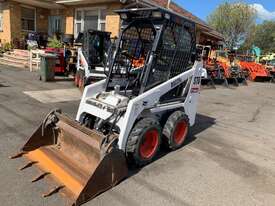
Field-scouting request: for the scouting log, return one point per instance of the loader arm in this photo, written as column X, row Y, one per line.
column 148, row 100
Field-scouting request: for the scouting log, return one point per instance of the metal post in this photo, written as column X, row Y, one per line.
column 168, row 4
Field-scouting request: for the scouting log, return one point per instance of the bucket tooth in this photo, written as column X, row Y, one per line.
column 40, row 176
column 53, row 191
column 20, row 154
column 29, row 164
column 72, row 156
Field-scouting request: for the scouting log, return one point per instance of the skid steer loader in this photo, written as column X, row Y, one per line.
column 93, row 57
column 150, row 97
column 206, row 80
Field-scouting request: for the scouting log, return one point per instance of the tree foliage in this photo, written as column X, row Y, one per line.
column 264, row 36
column 234, row 21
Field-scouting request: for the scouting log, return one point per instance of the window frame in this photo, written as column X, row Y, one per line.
column 28, row 7
column 82, row 22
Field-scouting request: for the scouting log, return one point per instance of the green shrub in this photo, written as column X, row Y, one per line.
column 54, row 43
column 7, row 46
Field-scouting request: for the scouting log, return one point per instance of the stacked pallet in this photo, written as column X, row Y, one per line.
column 16, row 58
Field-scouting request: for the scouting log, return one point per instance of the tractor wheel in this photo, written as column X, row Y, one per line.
column 144, row 141
column 176, row 129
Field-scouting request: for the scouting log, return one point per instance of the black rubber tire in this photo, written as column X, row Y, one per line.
column 170, row 126
column 135, row 140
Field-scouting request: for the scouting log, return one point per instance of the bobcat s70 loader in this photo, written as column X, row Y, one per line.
column 149, row 97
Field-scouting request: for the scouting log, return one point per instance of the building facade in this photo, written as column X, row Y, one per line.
column 19, row 17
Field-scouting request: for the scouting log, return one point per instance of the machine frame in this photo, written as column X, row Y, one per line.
column 147, row 102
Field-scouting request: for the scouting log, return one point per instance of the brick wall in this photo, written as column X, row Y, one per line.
column 12, row 21
column 69, row 20
column 42, row 20
column 5, row 35
column 113, row 24
column 15, row 12
column 112, row 20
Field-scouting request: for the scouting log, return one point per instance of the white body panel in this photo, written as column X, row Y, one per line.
column 146, row 101
column 204, row 73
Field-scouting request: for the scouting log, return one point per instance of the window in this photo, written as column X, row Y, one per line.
column 28, row 19
column 86, row 19
column 1, row 16
column 55, row 25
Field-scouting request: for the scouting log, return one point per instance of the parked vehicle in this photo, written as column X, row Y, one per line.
column 93, row 57
column 222, row 68
column 252, row 70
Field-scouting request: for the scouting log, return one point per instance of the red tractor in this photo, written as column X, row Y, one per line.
column 222, row 68
column 252, row 70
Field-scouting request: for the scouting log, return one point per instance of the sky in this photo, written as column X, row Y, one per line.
column 202, row 8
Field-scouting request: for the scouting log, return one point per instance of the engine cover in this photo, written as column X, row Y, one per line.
column 109, row 101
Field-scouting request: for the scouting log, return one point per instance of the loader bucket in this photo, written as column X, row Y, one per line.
column 208, row 83
column 242, row 81
column 262, row 78
column 233, row 81
column 220, row 81
column 75, row 158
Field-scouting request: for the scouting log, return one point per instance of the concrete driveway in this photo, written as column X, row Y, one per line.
column 228, row 159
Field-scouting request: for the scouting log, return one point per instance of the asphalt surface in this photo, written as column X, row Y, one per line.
column 228, row 159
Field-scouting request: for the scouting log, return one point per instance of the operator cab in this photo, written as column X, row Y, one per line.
column 96, row 46
column 155, row 45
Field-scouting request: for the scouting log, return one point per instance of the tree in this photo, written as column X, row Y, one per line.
column 265, row 36
column 250, row 40
column 262, row 36
column 234, row 21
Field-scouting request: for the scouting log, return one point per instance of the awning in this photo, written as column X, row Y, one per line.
column 77, row 2
column 47, row 4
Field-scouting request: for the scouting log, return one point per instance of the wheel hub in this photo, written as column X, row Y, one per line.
column 180, row 132
column 149, row 144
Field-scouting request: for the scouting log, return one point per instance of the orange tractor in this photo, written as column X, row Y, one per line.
column 252, row 70
column 270, row 66
column 222, row 68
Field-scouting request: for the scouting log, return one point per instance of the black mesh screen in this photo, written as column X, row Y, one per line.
column 173, row 55
column 95, row 46
column 135, row 44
